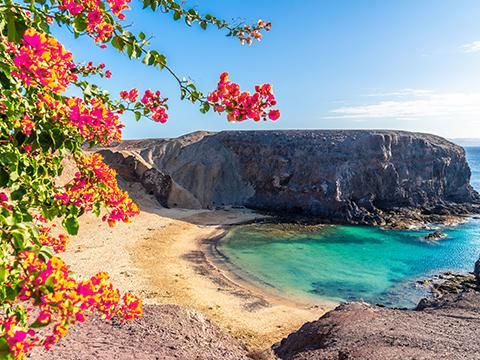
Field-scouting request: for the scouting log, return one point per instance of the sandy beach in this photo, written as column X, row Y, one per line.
column 164, row 257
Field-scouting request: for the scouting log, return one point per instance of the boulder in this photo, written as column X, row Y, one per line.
column 436, row 235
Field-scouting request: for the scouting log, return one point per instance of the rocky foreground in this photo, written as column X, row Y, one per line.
column 448, row 329
column 165, row 332
column 444, row 327
column 360, row 177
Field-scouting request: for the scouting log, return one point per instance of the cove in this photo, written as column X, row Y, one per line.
column 352, row 263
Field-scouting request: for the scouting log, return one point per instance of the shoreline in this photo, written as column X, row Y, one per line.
column 194, row 278
column 255, row 284
column 169, row 256
column 163, row 257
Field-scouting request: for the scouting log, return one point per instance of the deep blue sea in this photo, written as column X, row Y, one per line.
column 345, row 263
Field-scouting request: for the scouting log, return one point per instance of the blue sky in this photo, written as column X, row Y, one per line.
column 398, row 64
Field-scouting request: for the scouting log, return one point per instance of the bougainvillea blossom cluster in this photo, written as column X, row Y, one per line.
column 96, row 183
column 241, row 105
column 26, row 125
column 131, row 95
column 153, row 104
column 57, row 242
column 250, row 33
column 91, row 69
column 95, row 121
column 42, row 60
column 98, row 24
column 66, row 302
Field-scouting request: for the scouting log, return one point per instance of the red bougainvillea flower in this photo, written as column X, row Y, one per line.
column 241, row 105
column 131, row 95
column 95, row 121
column 57, row 243
column 4, row 200
column 42, row 60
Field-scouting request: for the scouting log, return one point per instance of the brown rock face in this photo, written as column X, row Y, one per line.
column 447, row 330
column 344, row 176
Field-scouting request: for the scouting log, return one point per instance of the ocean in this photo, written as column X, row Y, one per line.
column 351, row 263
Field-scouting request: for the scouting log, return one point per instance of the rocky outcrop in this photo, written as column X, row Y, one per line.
column 343, row 176
column 133, row 168
column 448, row 329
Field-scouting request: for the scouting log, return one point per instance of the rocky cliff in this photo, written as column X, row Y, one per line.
column 343, row 176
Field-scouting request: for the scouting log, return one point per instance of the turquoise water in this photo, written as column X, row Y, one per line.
column 345, row 263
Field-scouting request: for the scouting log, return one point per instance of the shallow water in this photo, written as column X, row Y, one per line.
column 344, row 263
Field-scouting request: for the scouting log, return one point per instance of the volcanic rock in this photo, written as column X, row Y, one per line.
column 351, row 176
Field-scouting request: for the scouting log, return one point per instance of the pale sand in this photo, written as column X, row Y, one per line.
column 162, row 256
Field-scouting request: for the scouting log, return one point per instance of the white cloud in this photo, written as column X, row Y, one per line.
column 471, row 47
column 402, row 93
column 419, row 105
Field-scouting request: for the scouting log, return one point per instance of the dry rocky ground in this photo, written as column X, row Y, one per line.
column 446, row 328
column 164, row 332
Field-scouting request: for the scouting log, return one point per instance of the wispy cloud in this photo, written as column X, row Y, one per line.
column 472, row 47
column 417, row 105
column 402, row 93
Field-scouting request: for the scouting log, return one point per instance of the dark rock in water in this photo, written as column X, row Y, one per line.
column 360, row 177
column 436, row 235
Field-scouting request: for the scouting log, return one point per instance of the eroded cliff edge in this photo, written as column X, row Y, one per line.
column 362, row 177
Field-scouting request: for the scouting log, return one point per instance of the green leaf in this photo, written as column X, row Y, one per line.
column 11, row 28
column 18, row 194
column 71, row 225
column 3, row 178
column 3, row 273
column 38, row 325
column 14, row 176
column 80, row 24
column 205, row 108
column 5, row 353
column 12, row 293
column 118, row 43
